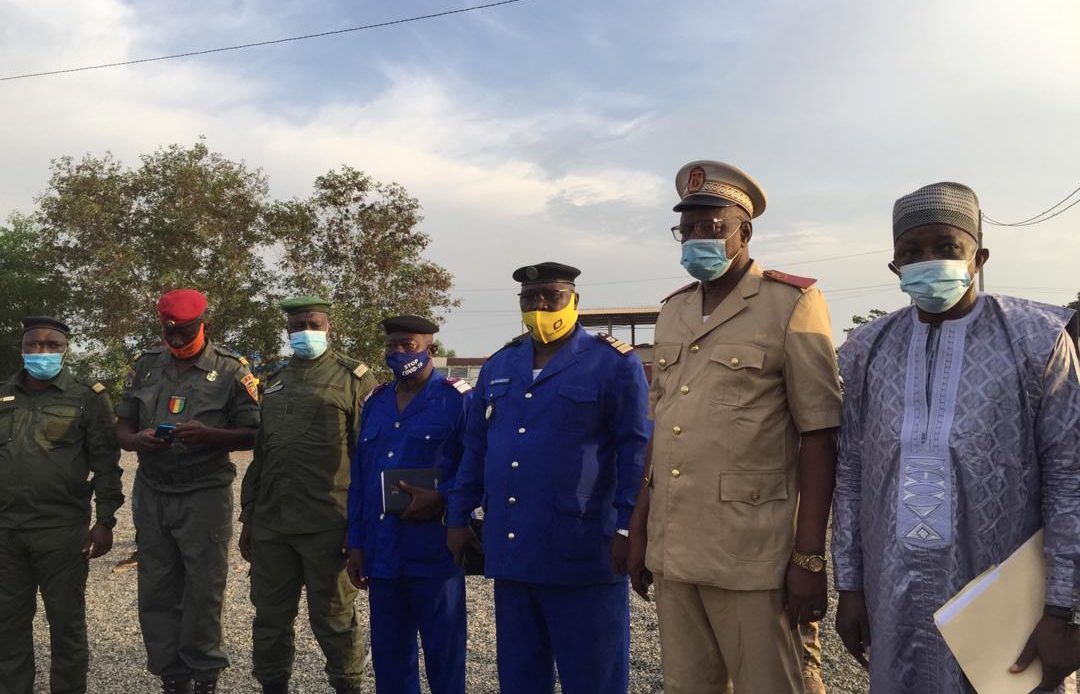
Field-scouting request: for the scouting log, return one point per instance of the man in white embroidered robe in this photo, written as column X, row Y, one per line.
column 960, row 438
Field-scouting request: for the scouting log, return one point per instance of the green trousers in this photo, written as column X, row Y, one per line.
column 183, row 542
column 282, row 564
column 49, row 560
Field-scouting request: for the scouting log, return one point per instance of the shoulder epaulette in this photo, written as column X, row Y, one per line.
column 98, row 388
column 792, row 280
column 360, row 370
column 226, row 352
column 152, row 352
column 377, row 389
column 615, row 343
column 458, row 385
column 680, row 290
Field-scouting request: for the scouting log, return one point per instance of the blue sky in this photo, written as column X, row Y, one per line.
column 552, row 129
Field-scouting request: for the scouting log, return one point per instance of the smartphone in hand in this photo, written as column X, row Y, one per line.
column 165, row 432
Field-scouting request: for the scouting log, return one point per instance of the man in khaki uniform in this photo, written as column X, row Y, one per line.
column 55, row 429
column 293, row 500
column 182, row 501
column 745, row 399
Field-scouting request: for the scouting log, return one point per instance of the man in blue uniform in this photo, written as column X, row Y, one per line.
column 410, row 427
column 554, row 445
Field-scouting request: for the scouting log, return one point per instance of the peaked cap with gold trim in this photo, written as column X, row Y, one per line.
column 706, row 183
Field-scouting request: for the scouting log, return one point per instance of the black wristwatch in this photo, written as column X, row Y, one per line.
column 1066, row 614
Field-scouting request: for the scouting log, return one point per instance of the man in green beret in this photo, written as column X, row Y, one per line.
column 55, row 430
column 293, row 499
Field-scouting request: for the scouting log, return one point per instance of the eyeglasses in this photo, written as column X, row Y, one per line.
column 710, row 229
column 546, row 295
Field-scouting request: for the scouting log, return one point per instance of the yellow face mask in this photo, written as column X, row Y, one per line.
column 548, row 326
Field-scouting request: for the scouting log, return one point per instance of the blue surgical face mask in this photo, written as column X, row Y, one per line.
column 308, row 344
column 43, row 366
column 406, row 364
column 706, row 259
column 935, row 285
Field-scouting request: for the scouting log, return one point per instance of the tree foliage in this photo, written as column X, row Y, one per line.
column 27, row 285
column 106, row 240
column 355, row 241
column 857, row 320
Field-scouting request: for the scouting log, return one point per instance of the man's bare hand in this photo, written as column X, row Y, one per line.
column 244, row 544
column 426, row 504
column 354, row 567
column 457, row 541
column 99, row 541
column 1057, row 646
column 640, row 577
column 806, row 598
column 853, row 625
column 196, row 434
column 145, row 442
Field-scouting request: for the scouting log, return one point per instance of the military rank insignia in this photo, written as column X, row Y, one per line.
column 274, row 387
column 252, row 386
column 212, row 376
column 177, row 403
column 615, row 343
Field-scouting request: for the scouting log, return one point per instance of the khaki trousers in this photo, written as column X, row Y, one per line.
column 714, row 640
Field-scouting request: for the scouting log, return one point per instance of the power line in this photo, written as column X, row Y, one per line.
column 1039, row 218
column 257, row 44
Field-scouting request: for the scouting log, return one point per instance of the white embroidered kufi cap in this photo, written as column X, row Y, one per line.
column 938, row 203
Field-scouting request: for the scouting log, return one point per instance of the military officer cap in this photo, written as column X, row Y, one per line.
column 706, row 183
column 938, row 203
column 303, row 304
column 409, row 324
column 181, row 306
column 33, row 322
column 546, row 272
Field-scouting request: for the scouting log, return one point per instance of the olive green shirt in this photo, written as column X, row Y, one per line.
column 50, row 442
column 298, row 481
column 218, row 390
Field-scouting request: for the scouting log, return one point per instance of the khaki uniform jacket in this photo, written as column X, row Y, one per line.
column 730, row 397
column 50, row 442
column 218, row 390
column 299, row 478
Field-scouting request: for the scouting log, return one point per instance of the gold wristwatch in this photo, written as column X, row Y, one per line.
column 814, row 563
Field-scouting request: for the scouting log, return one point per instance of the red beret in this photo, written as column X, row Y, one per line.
column 181, row 306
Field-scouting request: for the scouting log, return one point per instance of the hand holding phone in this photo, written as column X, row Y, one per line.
column 165, row 432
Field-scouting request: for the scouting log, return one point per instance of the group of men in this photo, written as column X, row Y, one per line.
column 954, row 436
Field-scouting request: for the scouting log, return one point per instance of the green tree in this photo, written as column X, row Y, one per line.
column 184, row 217
column 28, row 287
column 857, row 320
column 355, row 241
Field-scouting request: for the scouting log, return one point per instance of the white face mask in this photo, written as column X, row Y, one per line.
column 936, row 285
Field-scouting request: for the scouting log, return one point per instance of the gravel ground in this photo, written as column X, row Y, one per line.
column 118, row 660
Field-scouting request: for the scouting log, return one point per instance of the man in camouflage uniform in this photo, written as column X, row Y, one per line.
column 55, row 429
column 293, row 504
column 182, row 501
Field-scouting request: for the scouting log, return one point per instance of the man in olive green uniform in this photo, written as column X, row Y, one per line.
column 745, row 398
column 54, row 431
column 293, row 504
column 182, row 501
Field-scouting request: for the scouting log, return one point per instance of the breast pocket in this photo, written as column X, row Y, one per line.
column 285, row 419
column 580, row 407
column 61, row 424
column 424, row 444
column 732, row 369
column 758, row 504
column 496, row 402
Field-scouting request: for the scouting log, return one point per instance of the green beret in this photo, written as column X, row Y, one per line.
column 303, row 304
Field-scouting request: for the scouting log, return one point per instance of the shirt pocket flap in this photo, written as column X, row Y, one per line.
column 368, row 433
column 754, row 488
column 737, row 357
column 666, row 356
column 497, row 389
column 578, row 393
column 60, row 422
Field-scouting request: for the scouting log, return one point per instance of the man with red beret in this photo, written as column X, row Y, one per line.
column 186, row 404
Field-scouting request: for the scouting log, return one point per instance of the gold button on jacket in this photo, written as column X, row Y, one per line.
column 741, row 388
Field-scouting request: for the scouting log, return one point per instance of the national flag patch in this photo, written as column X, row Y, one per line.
column 177, row 403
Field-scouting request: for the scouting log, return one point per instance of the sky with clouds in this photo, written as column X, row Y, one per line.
column 552, row 129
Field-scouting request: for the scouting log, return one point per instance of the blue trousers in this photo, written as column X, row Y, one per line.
column 400, row 609
column 583, row 630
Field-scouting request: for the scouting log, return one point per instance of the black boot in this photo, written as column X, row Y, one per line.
column 174, row 685
column 205, row 687
column 276, row 687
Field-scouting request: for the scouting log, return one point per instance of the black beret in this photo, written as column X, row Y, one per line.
column 546, row 272
column 32, row 322
column 409, row 324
